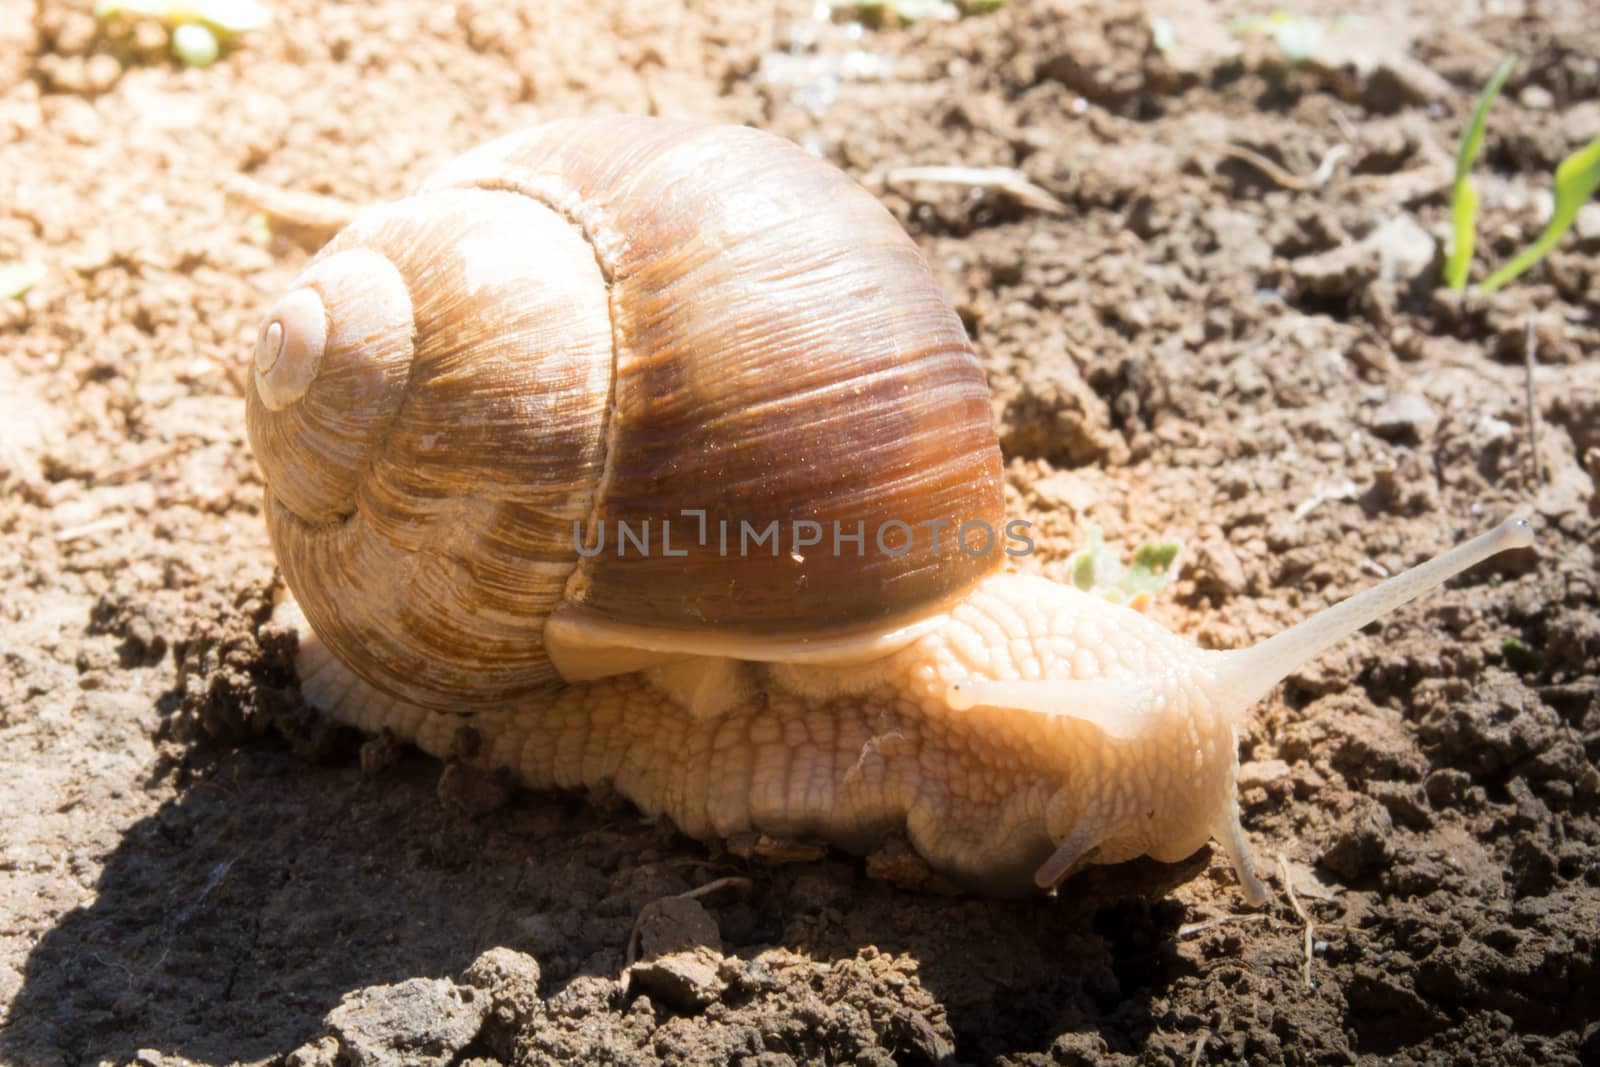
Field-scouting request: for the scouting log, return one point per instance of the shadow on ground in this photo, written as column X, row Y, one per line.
column 229, row 923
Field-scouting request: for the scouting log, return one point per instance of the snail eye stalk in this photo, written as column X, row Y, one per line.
column 1247, row 675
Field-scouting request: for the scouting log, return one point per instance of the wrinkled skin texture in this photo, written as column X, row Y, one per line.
column 851, row 754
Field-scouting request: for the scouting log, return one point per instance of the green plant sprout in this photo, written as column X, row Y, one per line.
column 195, row 44
column 875, row 11
column 1162, row 35
column 1520, row 657
column 1297, row 36
column 200, row 28
column 1463, row 194
column 17, row 278
column 1094, row 568
column 1576, row 179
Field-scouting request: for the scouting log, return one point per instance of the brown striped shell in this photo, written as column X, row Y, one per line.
column 603, row 322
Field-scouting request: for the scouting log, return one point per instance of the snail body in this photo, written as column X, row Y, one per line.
column 621, row 454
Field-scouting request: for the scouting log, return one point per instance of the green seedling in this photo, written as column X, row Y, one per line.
column 878, row 12
column 1296, row 36
column 200, row 28
column 1162, row 35
column 17, row 278
column 1094, row 568
column 1577, row 178
column 1463, row 194
column 224, row 18
column 1520, row 657
column 195, row 44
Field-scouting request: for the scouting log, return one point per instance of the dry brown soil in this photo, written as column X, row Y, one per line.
column 1257, row 359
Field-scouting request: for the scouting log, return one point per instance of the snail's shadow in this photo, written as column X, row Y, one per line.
column 226, row 925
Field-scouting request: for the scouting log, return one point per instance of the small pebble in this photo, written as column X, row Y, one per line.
column 684, row 981
column 1587, row 225
column 1260, row 772
column 1404, row 417
column 1536, row 97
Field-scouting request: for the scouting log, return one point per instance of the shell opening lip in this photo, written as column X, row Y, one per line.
column 289, row 347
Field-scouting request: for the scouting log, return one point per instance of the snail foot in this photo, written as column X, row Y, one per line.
column 773, row 851
column 337, row 691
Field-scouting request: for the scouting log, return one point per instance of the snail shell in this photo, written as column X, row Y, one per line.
column 615, row 323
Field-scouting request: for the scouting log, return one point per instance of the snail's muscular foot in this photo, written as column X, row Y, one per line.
column 851, row 770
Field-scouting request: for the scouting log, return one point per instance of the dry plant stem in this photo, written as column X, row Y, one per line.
column 1294, row 901
column 315, row 216
column 1004, row 180
column 1309, row 946
column 1288, row 180
column 89, row 529
column 229, row 368
column 1190, row 929
column 1530, row 352
column 127, row 472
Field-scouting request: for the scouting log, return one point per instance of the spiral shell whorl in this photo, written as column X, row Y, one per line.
column 289, row 349
column 783, row 354
column 452, row 541
column 330, row 368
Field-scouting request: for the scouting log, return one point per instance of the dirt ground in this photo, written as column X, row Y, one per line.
column 1233, row 335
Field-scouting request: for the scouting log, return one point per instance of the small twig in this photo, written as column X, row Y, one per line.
column 1005, row 180
column 1317, row 180
column 1330, row 159
column 1294, row 902
column 127, row 472
column 312, row 217
column 218, row 873
column 89, row 529
column 1346, row 490
column 1199, row 1048
column 1530, row 352
column 231, row 370
column 1188, row 929
column 1288, row 887
column 1347, row 129
column 1310, row 951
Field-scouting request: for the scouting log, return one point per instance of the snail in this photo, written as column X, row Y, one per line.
column 648, row 453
